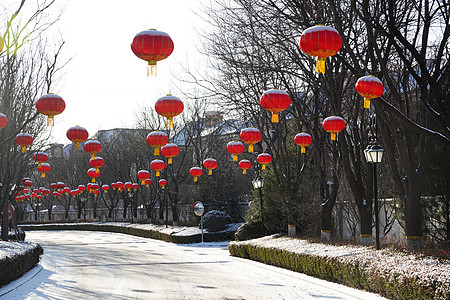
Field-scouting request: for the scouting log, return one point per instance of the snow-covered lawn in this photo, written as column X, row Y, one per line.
column 14, row 249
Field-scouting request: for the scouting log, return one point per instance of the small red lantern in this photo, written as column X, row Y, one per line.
column 53, row 185
column 93, row 186
column 92, row 147
column 275, row 101
column 196, row 172
column 60, row 185
column 235, row 148
column 28, row 183
column 152, row 46
column 77, row 135
column 3, row 120
column 95, row 192
column 264, row 159
column 40, row 157
column 66, row 190
column 128, row 185
column 96, row 162
column 82, row 187
column 245, row 165
column 93, row 173
column 44, row 168
column 303, row 140
column 169, row 106
column 334, row 125
column 135, row 186
column 50, row 105
column 250, row 136
column 74, row 192
column 157, row 139
column 321, row 41
column 170, row 150
column 24, row 140
column 143, row 175
column 162, row 183
column 210, row 164
column 113, row 185
column 148, row 182
column 105, row 188
column 157, row 165
column 119, row 185
column 369, row 87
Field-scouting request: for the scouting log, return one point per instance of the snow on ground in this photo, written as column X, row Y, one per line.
column 13, row 249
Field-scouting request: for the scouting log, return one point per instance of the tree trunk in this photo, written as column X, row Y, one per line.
column 365, row 213
column 327, row 223
column 5, row 221
column 413, row 214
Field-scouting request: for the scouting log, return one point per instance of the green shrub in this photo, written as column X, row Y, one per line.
column 249, row 231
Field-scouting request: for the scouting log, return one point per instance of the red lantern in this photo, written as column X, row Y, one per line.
column 275, row 101
column 93, row 186
column 92, row 147
column 74, row 192
column 369, row 87
column 245, row 165
column 210, row 164
column 50, row 105
column 82, row 187
column 113, row 185
column 93, row 173
column 250, row 136
column 157, row 139
column 143, row 175
column 264, row 159
column 60, row 185
column 148, row 182
column 40, row 157
column 105, row 188
column 321, row 41
column 96, row 162
column 196, row 172
column 169, row 106
column 3, row 120
column 44, row 168
column 303, row 139
column 170, row 150
column 334, row 125
column 128, row 185
column 77, row 135
column 24, row 140
column 53, row 185
column 66, row 190
column 95, row 192
column 152, row 46
column 157, row 165
column 28, row 183
column 162, row 183
column 135, row 186
column 119, row 185
column 235, row 148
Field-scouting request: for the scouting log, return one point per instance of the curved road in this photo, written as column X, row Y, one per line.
column 100, row 265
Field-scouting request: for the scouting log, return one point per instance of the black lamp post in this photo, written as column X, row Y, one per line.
column 130, row 196
column 374, row 155
column 258, row 183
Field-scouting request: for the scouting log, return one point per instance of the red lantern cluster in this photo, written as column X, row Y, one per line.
column 245, row 165
column 369, row 87
column 303, row 139
column 250, row 136
column 235, row 148
column 210, row 164
column 157, row 139
column 320, row 41
column 24, row 140
column 275, row 101
column 152, row 46
column 170, row 150
column 50, row 105
column 77, row 135
column 196, row 172
column 264, row 159
column 334, row 125
column 169, row 106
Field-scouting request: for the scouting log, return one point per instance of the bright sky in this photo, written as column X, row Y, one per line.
column 105, row 83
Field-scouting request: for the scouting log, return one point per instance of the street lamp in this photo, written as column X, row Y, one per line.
column 258, row 183
column 130, row 196
column 374, row 155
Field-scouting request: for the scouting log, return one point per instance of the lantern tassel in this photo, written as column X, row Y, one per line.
column 169, row 123
column 244, row 171
column 106, row 192
column 156, row 153
column 93, row 180
column 367, row 103
column 92, row 155
column 320, row 65
column 77, row 146
column 275, row 118
column 151, row 69
column 142, row 182
column 303, row 149
column 263, row 167
column 209, row 172
column 24, row 149
column 333, row 136
column 163, row 187
column 43, row 175
column 169, row 161
column 234, row 157
column 195, row 179
column 250, row 148
column 157, row 173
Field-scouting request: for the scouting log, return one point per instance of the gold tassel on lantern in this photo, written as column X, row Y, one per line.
column 156, row 153
column 320, row 65
column 275, row 117
column 93, row 180
column 92, row 155
column 244, row 171
column 151, row 68
column 157, row 173
column 24, row 149
column 43, row 175
column 234, row 157
column 195, row 179
column 169, row 162
column 169, row 123
column 209, row 172
column 51, row 121
column 77, row 146
column 333, row 136
column 303, row 149
column 367, row 103
column 250, row 148
column 263, row 167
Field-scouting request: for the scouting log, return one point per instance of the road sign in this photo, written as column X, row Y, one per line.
column 199, row 209
column 10, row 212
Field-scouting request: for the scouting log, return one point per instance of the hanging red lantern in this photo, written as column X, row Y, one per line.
column 44, row 168
column 235, row 148
column 95, row 192
column 196, row 172
column 210, row 164
column 96, row 162
column 119, row 185
column 303, row 139
column 162, row 183
column 82, row 187
column 53, row 185
column 143, row 175
column 74, row 192
column 152, row 46
column 60, row 185
column 320, row 41
column 135, row 186
column 264, row 159
column 105, row 188
column 28, row 183
column 148, row 182
column 77, row 135
column 66, row 190
column 93, row 186
column 157, row 139
column 169, row 106
column 113, row 185
column 334, row 125
column 369, row 87
column 275, row 101
column 92, row 147
column 250, row 136
column 24, row 140
column 40, row 157
column 50, row 105
column 157, row 165
column 170, row 150
column 128, row 185
column 245, row 165
column 3, row 120
column 93, row 173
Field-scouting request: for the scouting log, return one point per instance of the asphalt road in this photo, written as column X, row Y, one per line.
column 99, row 265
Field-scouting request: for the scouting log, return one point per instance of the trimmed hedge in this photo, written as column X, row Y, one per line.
column 141, row 232
column 353, row 274
column 14, row 267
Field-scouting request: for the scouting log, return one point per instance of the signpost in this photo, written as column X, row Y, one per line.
column 199, row 209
